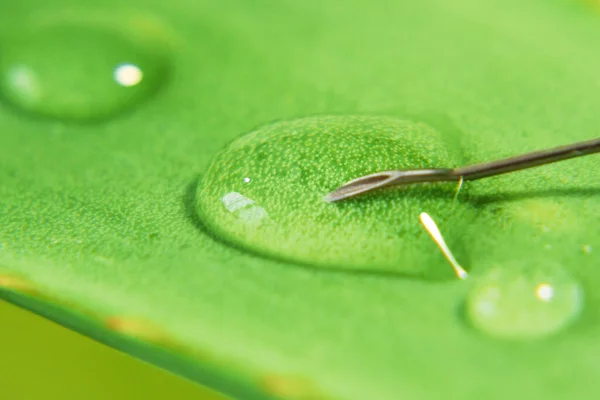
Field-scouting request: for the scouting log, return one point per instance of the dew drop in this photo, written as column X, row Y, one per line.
column 523, row 302
column 264, row 193
column 70, row 71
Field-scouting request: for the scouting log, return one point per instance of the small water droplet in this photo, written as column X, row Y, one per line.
column 587, row 249
column 70, row 71
column 293, row 164
column 521, row 302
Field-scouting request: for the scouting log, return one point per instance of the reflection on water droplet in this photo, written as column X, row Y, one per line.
column 243, row 208
column 234, row 201
column 587, row 249
column 544, row 292
column 520, row 302
column 292, row 164
column 71, row 71
column 128, row 75
column 24, row 80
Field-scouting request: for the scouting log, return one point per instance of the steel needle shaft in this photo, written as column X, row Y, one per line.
column 383, row 179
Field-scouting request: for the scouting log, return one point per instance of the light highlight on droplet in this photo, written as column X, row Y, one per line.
column 544, row 292
column 23, row 80
column 244, row 208
column 128, row 75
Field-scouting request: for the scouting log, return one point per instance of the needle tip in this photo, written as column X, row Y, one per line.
column 358, row 186
column 383, row 179
column 330, row 198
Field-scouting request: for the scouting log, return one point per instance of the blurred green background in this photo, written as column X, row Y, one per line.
column 42, row 360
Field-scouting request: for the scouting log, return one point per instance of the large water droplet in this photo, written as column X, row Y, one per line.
column 71, row 71
column 264, row 192
column 522, row 301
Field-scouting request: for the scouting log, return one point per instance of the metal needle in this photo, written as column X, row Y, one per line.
column 383, row 179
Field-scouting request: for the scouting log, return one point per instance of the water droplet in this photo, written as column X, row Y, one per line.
column 70, row 71
column 291, row 166
column 519, row 301
column 587, row 249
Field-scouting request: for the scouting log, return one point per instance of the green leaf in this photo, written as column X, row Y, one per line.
column 98, row 227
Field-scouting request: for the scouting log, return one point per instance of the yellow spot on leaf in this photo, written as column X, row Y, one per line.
column 16, row 283
column 291, row 387
column 136, row 327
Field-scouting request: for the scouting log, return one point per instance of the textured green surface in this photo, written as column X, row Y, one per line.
column 100, row 219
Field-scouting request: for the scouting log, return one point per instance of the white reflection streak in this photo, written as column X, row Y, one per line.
column 243, row 207
column 436, row 235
